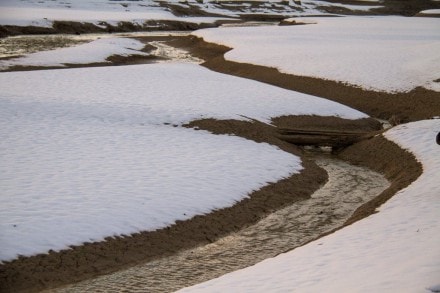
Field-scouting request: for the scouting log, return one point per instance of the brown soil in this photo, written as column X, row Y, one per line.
column 92, row 259
column 379, row 154
column 406, row 7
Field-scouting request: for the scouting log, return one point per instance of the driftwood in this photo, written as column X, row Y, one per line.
column 323, row 138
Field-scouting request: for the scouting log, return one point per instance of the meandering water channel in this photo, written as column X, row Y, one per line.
column 347, row 188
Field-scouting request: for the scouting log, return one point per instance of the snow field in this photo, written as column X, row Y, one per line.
column 395, row 250
column 142, row 94
column 391, row 54
column 94, row 51
column 68, row 182
column 43, row 13
column 86, row 153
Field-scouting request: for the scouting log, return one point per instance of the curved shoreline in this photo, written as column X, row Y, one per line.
column 92, row 259
column 418, row 104
column 45, row 271
column 282, row 230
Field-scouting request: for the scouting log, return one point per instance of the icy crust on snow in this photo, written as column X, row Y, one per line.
column 395, row 250
column 94, row 51
column 89, row 153
column 391, row 54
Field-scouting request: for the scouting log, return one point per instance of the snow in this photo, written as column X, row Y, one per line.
column 43, row 13
column 354, row 7
column 395, row 250
column 430, row 11
column 391, row 54
column 89, row 153
column 92, row 52
column 143, row 94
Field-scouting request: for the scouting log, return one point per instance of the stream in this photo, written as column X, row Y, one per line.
column 329, row 207
column 348, row 187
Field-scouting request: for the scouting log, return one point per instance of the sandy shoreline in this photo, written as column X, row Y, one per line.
column 92, row 259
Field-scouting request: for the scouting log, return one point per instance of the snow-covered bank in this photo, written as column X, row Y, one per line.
column 395, row 250
column 90, row 153
column 95, row 51
column 44, row 13
column 379, row 53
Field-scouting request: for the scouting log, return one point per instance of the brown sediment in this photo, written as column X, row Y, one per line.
column 387, row 7
column 381, row 155
column 399, row 166
column 93, row 259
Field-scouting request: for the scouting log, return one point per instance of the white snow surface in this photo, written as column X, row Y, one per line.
column 94, row 51
column 89, row 153
column 431, row 11
column 391, row 54
column 43, row 13
column 354, row 7
column 395, row 250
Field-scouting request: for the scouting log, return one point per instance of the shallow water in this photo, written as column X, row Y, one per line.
column 347, row 188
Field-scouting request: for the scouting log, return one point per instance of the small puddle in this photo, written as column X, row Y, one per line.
column 348, row 187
